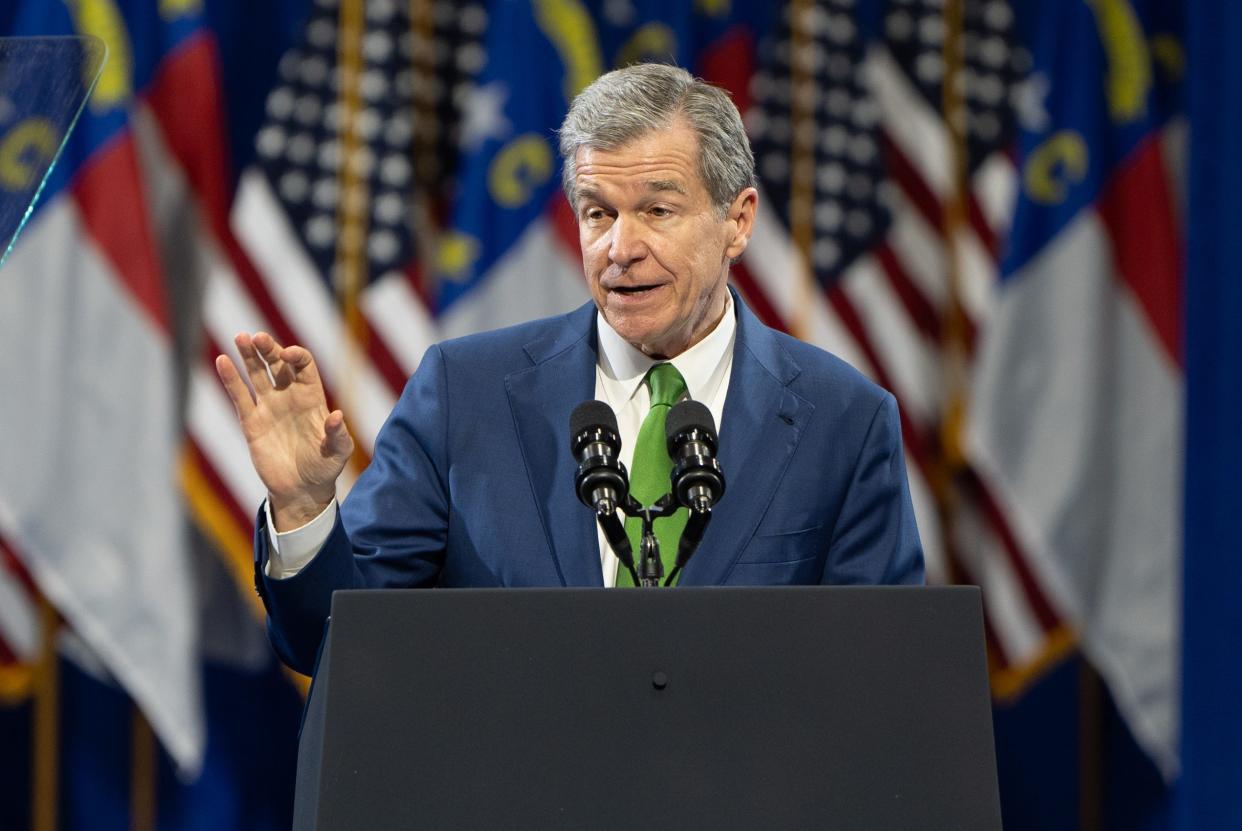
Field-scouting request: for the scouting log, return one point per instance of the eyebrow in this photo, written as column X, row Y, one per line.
column 588, row 192
column 666, row 184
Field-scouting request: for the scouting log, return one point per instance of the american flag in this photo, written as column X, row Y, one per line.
column 348, row 235
column 328, row 237
column 855, row 154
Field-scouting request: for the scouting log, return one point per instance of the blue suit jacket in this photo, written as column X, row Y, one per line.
column 471, row 482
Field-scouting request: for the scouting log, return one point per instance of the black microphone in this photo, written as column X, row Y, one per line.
column 601, row 481
column 698, row 482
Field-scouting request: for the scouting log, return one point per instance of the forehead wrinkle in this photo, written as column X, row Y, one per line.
column 657, row 167
column 654, row 163
column 634, row 160
column 594, row 180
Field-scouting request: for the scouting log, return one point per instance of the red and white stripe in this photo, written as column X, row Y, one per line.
column 19, row 614
column 884, row 318
column 256, row 275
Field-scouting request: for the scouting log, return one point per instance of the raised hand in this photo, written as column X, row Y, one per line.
column 297, row 447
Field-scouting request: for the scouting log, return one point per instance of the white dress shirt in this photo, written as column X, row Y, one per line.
column 619, row 375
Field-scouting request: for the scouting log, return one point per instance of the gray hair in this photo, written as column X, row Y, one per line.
column 625, row 104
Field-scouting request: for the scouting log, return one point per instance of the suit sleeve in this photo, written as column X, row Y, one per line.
column 875, row 539
column 391, row 531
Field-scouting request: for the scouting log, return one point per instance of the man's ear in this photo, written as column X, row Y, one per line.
column 741, row 215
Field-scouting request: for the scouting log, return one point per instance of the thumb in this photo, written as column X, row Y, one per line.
column 336, row 438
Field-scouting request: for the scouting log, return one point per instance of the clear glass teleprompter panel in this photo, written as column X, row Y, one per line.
column 44, row 82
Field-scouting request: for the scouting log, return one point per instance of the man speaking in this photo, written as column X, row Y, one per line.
column 472, row 479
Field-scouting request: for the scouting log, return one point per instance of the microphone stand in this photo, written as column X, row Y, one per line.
column 650, row 569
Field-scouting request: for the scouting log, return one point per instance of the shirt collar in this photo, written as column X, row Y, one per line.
column 703, row 365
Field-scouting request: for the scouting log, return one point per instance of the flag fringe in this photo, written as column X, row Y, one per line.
column 1009, row 683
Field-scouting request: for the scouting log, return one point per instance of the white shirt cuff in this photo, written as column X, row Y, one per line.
column 289, row 552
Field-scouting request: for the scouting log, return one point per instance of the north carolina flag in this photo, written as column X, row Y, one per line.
column 1079, row 395
column 89, row 497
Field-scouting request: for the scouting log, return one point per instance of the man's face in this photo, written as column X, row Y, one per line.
column 654, row 249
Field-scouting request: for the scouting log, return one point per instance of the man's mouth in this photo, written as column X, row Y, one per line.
column 635, row 290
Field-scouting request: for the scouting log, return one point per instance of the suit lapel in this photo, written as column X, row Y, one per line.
column 761, row 425
column 541, row 398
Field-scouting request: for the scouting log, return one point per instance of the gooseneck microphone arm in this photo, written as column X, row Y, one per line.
column 650, row 567
column 614, row 532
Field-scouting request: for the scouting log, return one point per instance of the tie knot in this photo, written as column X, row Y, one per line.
column 666, row 384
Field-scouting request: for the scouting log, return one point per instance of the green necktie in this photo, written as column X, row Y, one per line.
column 650, row 469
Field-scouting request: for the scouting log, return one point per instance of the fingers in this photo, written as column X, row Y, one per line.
column 238, row 392
column 286, row 363
column 256, row 368
column 270, row 351
column 299, row 360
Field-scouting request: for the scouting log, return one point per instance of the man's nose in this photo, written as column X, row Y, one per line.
column 628, row 241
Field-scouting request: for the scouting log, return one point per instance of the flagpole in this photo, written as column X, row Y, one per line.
column 424, row 130
column 352, row 209
column 950, row 459
column 1090, row 746
column 353, row 204
column 142, row 773
column 45, row 748
column 802, row 165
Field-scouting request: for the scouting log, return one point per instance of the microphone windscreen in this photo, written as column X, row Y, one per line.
column 687, row 415
column 591, row 414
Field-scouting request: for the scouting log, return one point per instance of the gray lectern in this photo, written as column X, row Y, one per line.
column 815, row 707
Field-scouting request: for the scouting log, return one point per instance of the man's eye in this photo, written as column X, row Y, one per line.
column 595, row 214
column 661, row 212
